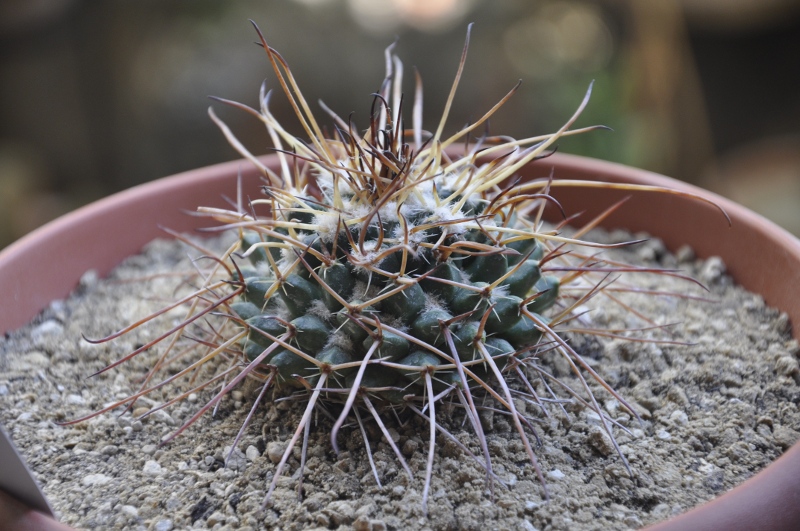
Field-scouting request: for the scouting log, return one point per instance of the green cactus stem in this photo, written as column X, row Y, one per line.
column 391, row 268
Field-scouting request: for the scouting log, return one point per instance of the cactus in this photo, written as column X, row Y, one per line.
column 391, row 268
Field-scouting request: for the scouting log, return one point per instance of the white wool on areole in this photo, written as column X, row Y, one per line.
column 359, row 210
column 419, row 201
column 288, row 256
column 325, row 182
column 444, row 213
column 340, row 340
column 365, row 255
column 319, row 309
column 399, row 234
column 388, row 212
column 328, row 223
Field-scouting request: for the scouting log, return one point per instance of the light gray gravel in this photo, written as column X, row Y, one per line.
column 713, row 414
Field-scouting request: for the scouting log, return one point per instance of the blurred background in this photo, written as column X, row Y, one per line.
column 96, row 96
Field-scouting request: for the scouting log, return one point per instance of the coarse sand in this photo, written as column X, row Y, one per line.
column 714, row 410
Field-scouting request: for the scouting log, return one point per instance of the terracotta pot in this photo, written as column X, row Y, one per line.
column 47, row 264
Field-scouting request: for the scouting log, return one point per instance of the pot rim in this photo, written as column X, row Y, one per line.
column 27, row 268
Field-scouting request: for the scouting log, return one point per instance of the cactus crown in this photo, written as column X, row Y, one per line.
column 394, row 268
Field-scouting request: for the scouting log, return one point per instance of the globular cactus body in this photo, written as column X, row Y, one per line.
column 392, row 269
column 382, row 265
column 468, row 303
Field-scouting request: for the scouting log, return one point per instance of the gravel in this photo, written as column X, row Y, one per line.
column 713, row 412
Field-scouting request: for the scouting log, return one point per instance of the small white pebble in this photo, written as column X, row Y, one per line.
column 152, row 468
column 275, row 450
column 109, row 449
column 511, row 480
column 684, row 253
column 75, row 400
column 173, row 503
column 592, row 417
column 59, row 307
column 556, row 474
column 149, row 449
column 394, row 435
column 95, row 479
column 130, row 510
column 712, row 270
column 600, row 440
column 235, row 459
column 679, row 417
column 215, row 518
column 664, row 435
column 37, row 359
column 163, row 525
column 163, row 416
column 89, row 279
column 612, row 405
column 633, row 521
column 48, row 328
column 252, row 453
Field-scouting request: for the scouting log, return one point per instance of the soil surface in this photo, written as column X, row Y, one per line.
column 714, row 411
